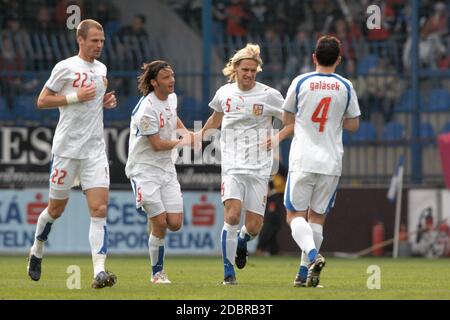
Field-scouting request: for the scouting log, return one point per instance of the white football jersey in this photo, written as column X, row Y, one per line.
column 320, row 102
column 247, row 123
column 149, row 117
column 79, row 133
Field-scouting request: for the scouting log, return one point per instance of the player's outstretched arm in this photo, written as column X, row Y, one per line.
column 288, row 126
column 288, row 130
column 351, row 124
column 182, row 128
column 159, row 144
column 213, row 122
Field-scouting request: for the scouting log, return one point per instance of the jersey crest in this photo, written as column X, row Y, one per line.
column 258, row 109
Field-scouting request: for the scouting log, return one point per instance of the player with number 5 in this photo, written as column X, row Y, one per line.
column 321, row 104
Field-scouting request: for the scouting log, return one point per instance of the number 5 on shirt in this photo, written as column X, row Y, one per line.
column 320, row 114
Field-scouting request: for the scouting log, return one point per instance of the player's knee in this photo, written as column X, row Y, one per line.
column 99, row 211
column 254, row 229
column 174, row 226
column 160, row 224
column 232, row 219
column 232, row 216
column 55, row 211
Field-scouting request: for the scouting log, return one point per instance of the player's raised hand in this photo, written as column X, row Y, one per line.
column 86, row 93
column 185, row 140
column 109, row 100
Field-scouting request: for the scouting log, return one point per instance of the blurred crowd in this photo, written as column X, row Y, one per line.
column 302, row 21
column 375, row 60
column 34, row 34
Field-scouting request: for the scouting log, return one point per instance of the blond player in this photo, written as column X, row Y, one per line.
column 245, row 109
column 77, row 86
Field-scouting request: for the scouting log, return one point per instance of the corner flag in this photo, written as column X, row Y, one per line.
column 397, row 179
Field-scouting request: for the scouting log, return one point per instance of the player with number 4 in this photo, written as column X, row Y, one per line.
column 321, row 104
column 77, row 86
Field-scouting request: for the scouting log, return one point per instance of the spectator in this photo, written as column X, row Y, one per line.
column 103, row 11
column 218, row 17
column 257, row 12
column 431, row 49
column 137, row 28
column 44, row 23
column 10, row 85
column 9, row 9
column 298, row 58
column 273, row 56
column 358, row 82
column 383, row 88
column 237, row 18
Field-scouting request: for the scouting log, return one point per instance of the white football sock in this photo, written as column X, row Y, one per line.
column 302, row 234
column 318, row 238
column 229, row 242
column 317, row 234
column 156, row 251
column 244, row 236
column 98, row 239
column 43, row 227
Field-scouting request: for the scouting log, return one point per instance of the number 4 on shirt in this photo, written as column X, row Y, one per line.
column 320, row 114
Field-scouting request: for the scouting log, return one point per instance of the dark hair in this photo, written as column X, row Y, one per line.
column 150, row 71
column 327, row 50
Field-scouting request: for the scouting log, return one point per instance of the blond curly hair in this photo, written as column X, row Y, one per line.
column 251, row 51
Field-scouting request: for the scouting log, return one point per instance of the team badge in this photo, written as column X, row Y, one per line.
column 145, row 123
column 258, row 109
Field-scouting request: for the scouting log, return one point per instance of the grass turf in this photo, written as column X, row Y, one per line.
column 198, row 278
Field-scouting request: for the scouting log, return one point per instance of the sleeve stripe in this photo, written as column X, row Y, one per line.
column 137, row 107
column 347, row 86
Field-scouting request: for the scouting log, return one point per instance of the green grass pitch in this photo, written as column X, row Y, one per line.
column 198, row 278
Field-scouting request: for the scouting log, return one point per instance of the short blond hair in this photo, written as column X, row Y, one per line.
column 251, row 51
column 85, row 25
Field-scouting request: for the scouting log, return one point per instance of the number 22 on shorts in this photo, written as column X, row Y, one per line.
column 320, row 114
column 58, row 176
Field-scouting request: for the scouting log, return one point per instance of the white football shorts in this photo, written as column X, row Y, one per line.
column 251, row 190
column 156, row 194
column 310, row 190
column 67, row 173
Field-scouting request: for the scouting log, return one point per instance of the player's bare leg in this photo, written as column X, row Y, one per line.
column 252, row 226
column 97, row 199
column 53, row 211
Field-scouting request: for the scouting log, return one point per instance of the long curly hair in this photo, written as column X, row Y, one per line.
column 150, row 71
